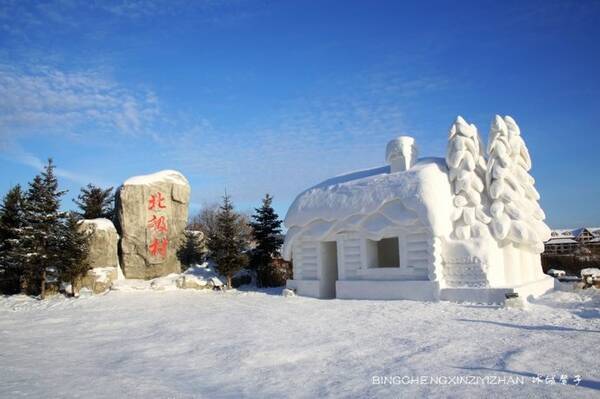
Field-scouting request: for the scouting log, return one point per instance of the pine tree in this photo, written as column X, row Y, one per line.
column 191, row 250
column 467, row 166
column 39, row 246
column 227, row 242
column 266, row 230
column 74, row 248
column 95, row 202
column 11, row 222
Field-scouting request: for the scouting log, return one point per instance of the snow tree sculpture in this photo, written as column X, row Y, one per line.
column 535, row 231
column 467, row 166
column 516, row 214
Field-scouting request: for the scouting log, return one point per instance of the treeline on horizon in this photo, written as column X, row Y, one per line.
column 42, row 246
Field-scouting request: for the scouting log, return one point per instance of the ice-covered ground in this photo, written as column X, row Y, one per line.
column 187, row 343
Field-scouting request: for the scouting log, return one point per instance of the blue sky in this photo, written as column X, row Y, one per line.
column 265, row 96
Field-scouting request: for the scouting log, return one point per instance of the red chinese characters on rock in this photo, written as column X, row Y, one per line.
column 158, row 247
column 157, row 201
column 157, row 225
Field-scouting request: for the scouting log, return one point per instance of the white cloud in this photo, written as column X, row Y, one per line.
column 24, row 19
column 338, row 125
column 50, row 99
column 40, row 102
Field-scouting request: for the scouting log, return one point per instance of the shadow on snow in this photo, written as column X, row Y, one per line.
column 529, row 328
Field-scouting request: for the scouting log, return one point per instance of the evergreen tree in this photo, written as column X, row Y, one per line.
column 74, row 248
column 95, row 202
column 11, row 222
column 266, row 230
column 39, row 246
column 227, row 241
column 191, row 250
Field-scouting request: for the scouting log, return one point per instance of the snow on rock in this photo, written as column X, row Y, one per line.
column 99, row 279
column 590, row 272
column 204, row 271
column 100, row 223
column 191, row 281
column 170, row 176
column 590, row 277
column 216, row 282
column 201, row 276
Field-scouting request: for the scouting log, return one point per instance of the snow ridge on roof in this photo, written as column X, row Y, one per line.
column 561, row 240
column 572, row 233
column 374, row 200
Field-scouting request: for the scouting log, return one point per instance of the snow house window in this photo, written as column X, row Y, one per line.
column 383, row 253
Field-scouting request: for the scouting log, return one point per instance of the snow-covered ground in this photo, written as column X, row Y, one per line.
column 187, row 343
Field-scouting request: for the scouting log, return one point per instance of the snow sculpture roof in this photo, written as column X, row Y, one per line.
column 373, row 201
column 171, row 176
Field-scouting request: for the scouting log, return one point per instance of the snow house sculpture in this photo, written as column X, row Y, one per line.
column 465, row 228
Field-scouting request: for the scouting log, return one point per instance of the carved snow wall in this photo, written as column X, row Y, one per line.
column 468, row 226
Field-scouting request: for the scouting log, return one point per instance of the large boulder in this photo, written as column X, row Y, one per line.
column 99, row 279
column 103, row 257
column 152, row 212
column 103, row 241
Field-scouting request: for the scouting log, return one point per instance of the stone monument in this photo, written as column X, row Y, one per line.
column 152, row 213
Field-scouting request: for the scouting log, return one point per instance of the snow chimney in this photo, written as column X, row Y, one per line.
column 401, row 153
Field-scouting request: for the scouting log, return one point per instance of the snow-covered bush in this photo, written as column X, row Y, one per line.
column 467, row 166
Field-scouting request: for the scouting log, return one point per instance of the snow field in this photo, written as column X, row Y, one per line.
column 188, row 343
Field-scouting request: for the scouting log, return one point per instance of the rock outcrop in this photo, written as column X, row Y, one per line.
column 191, row 282
column 152, row 213
column 99, row 279
column 103, row 257
column 103, row 242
